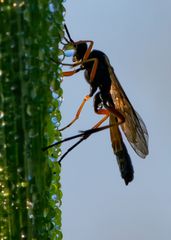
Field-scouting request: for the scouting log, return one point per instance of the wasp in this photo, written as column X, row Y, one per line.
column 110, row 101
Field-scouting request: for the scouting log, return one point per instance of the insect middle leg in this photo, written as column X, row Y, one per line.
column 102, row 109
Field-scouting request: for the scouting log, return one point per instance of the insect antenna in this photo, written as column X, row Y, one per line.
column 69, row 36
column 67, row 41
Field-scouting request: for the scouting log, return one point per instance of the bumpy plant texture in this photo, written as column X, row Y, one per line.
column 30, row 193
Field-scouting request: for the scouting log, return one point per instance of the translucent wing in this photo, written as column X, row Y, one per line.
column 133, row 127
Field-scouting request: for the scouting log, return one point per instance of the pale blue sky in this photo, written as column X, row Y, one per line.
column 136, row 36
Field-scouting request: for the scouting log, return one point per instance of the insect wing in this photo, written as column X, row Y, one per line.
column 133, row 127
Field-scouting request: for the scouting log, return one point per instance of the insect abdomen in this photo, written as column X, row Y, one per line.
column 125, row 164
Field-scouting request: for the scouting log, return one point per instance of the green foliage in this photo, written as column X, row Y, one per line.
column 30, row 194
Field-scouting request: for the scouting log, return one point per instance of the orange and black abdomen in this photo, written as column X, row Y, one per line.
column 125, row 164
column 119, row 149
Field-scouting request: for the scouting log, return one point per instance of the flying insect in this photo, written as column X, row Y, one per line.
column 110, row 101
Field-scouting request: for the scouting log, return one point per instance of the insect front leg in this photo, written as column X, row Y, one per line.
column 72, row 65
column 72, row 72
column 86, row 98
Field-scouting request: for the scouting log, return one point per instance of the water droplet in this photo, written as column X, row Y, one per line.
column 1, row 114
column 6, row 192
column 29, row 110
column 19, row 170
column 33, row 93
column 50, row 109
column 45, row 212
column 23, row 235
column 51, row 8
column 21, row 4
column 52, row 159
column 59, row 152
column 60, row 100
column 16, row 137
column 54, row 120
column 12, row 45
column 64, row 12
column 54, row 197
column 31, row 216
column 7, row 80
column 18, row 185
column 3, row 123
column 4, row 146
column 58, row 204
column 24, row 184
column 55, row 95
column 13, row 88
column 32, row 133
column 29, row 204
column 14, row 4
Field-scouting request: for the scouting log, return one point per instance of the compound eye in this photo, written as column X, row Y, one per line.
column 69, row 50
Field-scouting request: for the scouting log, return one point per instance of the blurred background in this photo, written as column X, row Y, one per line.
column 136, row 36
